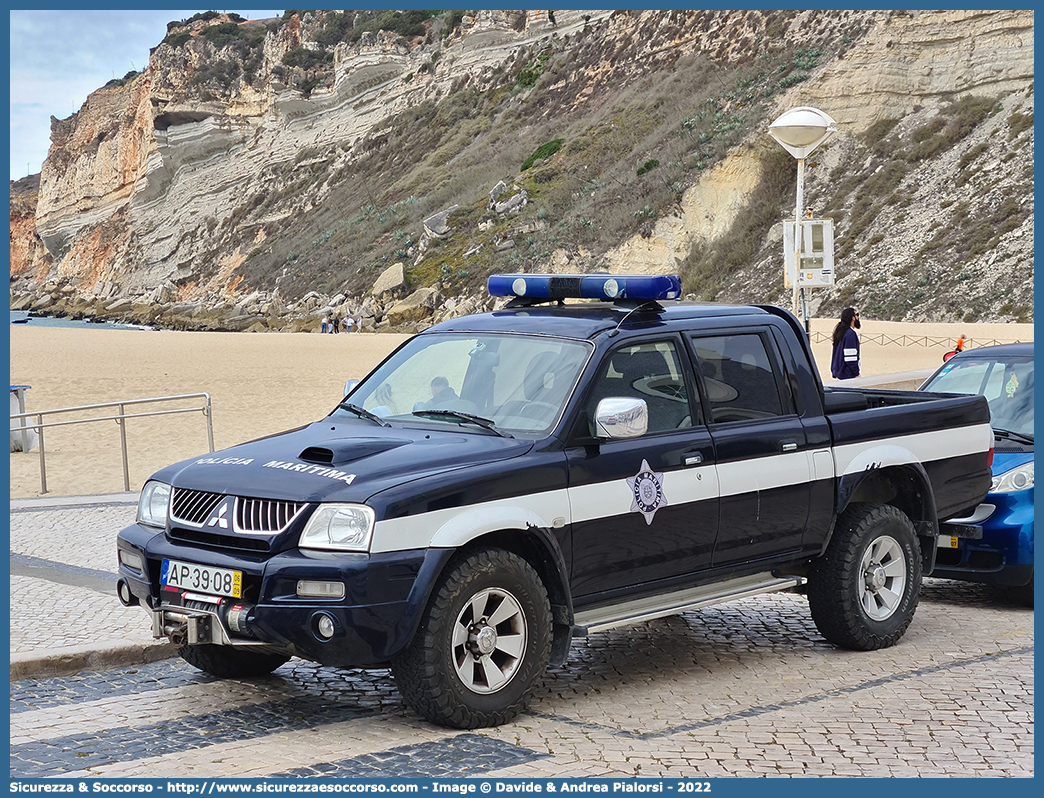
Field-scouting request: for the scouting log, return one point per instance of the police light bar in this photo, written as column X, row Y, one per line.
column 586, row 286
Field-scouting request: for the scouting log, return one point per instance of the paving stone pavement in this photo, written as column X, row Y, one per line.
column 64, row 612
column 747, row 688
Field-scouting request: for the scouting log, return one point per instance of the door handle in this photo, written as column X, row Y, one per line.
column 692, row 459
column 788, row 446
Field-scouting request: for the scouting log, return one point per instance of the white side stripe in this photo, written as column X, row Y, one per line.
column 419, row 531
column 606, row 499
column 456, row 525
column 765, row 473
column 917, row 447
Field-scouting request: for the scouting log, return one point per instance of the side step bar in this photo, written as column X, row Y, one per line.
column 645, row 609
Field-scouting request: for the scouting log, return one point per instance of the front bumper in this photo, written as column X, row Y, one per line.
column 383, row 598
column 1004, row 554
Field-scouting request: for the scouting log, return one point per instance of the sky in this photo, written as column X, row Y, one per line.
column 59, row 57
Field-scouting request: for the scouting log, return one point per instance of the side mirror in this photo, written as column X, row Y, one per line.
column 350, row 386
column 621, row 417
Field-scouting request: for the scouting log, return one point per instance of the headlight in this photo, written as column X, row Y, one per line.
column 339, row 527
column 1019, row 478
column 153, row 503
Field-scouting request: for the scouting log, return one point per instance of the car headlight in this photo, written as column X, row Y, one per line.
column 153, row 503
column 339, row 527
column 1018, row 478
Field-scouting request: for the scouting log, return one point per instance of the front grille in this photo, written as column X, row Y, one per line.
column 237, row 542
column 948, row 557
column 265, row 516
column 202, row 517
column 969, row 558
column 986, row 560
column 193, row 506
column 251, row 516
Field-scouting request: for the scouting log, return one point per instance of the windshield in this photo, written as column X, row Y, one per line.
column 1007, row 385
column 520, row 383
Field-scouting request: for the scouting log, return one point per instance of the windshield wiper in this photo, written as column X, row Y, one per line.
column 363, row 413
column 1015, row 436
column 479, row 420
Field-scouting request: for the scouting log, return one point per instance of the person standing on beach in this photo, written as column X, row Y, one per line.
column 844, row 363
column 348, row 322
column 325, row 325
column 335, row 325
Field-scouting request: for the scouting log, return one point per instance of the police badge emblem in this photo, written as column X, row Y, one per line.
column 646, row 492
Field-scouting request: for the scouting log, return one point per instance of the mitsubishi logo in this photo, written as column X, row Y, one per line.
column 219, row 519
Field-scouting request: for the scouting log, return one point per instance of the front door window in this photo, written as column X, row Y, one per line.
column 651, row 372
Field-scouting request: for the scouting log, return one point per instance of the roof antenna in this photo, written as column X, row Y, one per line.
column 651, row 304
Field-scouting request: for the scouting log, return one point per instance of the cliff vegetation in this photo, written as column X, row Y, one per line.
column 260, row 174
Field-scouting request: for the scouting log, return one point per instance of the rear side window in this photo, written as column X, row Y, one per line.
column 738, row 376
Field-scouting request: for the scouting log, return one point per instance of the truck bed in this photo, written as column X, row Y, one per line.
column 929, row 425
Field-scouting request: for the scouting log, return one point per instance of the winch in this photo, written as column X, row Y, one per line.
column 193, row 622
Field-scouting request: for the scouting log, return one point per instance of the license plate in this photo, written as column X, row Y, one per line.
column 947, row 542
column 204, row 578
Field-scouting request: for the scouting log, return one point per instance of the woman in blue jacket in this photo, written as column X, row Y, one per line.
column 844, row 363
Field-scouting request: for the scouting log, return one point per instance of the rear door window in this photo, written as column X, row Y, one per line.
column 740, row 381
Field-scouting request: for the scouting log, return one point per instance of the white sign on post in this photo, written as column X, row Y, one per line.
column 817, row 254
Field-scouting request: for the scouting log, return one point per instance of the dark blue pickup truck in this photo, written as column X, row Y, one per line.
column 506, row 481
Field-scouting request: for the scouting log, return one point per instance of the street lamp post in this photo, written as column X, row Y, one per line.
column 800, row 131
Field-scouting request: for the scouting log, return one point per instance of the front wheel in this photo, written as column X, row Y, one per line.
column 483, row 643
column 864, row 589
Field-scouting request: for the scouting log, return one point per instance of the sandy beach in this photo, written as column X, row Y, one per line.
column 260, row 384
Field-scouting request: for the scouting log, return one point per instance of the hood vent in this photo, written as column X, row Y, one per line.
column 317, row 454
column 345, row 450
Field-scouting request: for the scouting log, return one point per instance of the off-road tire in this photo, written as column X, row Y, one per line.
column 851, row 582
column 433, row 673
column 228, row 662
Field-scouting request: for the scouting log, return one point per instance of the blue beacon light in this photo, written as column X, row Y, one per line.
column 586, row 286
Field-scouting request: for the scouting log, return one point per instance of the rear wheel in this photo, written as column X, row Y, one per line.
column 864, row 590
column 482, row 645
column 231, row 662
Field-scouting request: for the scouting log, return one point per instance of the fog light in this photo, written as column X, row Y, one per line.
column 132, row 560
column 313, row 589
column 325, row 626
column 123, row 592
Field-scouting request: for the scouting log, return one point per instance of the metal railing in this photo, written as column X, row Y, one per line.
column 916, row 340
column 120, row 419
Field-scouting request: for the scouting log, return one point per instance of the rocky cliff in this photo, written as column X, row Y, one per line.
column 258, row 174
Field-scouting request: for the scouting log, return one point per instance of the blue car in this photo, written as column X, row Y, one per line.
column 1003, row 555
